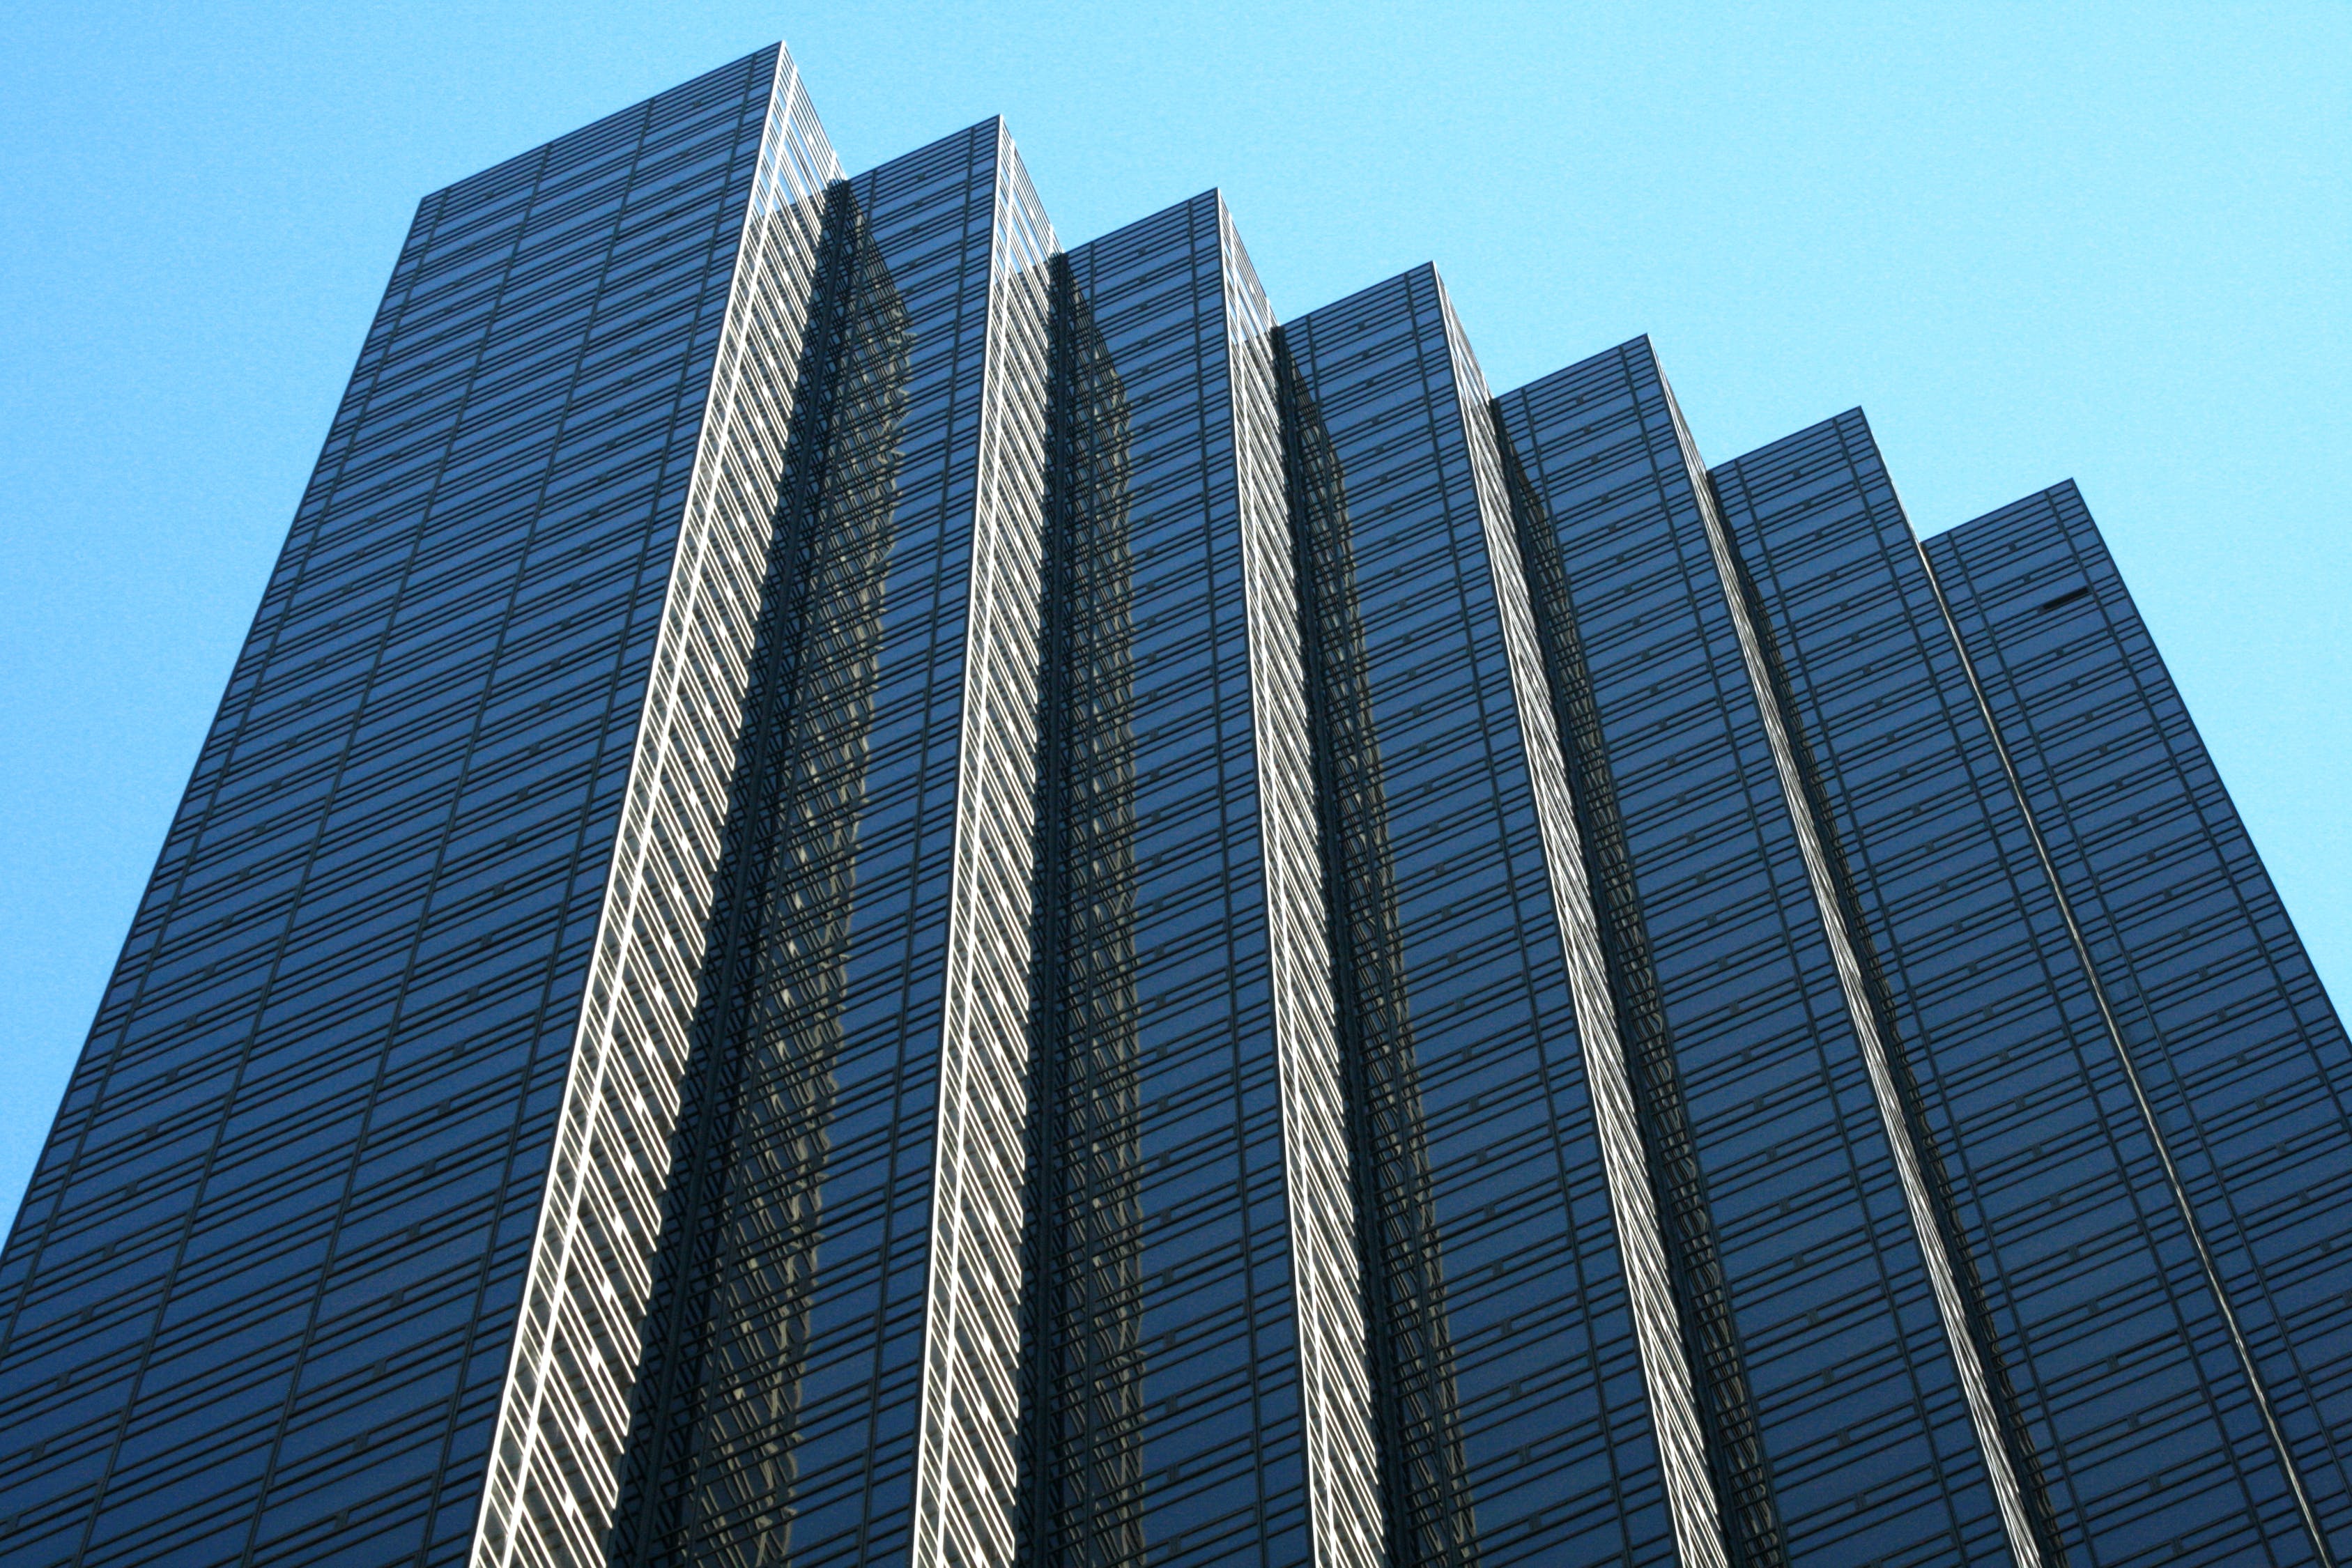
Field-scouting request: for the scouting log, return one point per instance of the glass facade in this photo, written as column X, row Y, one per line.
column 1837, row 1430
column 1507, row 1376
column 2131, row 1384
column 2229, row 1060
column 849, row 1173
column 263, row 1296
column 875, row 892
column 1181, row 1402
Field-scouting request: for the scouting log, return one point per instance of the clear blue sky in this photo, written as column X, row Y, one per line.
column 2108, row 242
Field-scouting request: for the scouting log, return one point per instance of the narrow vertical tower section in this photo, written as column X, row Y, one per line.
column 1806, row 1297
column 2047, row 1175
column 2201, row 1036
column 826, row 1371
column 966, row 1475
column 1192, row 1379
column 1609, row 537
column 563, row 1415
column 1495, row 1246
column 1625, row 1153
column 719, row 1386
column 1325, row 1228
column 1759, row 496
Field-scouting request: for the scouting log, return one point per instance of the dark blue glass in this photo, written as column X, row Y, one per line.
column 778, row 1392
column 872, row 894
column 1865, row 1449
column 261, row 1294
column 2241, row 1059
column 1506, row 1383
column 1163, row 1419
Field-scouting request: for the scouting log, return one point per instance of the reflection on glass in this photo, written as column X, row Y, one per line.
column 710, row 1473
column 1742, row 1479
column 1425, row 1479
column 1083, row 1413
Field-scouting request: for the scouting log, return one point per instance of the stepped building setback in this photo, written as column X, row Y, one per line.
column 878, row 893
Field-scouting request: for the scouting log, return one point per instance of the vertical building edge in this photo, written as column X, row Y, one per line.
column 619, row 1095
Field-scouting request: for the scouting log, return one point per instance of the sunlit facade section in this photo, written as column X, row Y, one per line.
column 565, row 1412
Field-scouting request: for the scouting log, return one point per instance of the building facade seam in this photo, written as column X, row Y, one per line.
column 1975, row 1389
column 967, row 1466
column 1344, row 1513
column 595, row 1121
column 2112, row 1028
column 1665, row 1370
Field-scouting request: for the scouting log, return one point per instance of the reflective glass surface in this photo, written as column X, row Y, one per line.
column 2244, row 1062
column 1507, row 1389
column 1165, row 1420
column 1865, row 1446
column 269, row 1265
column 776, row 1408
column 873, row 894
column 2111, row 1348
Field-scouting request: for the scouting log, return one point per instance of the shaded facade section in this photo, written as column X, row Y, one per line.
column 2208, row 998
column 712, row 1465
column 1507, row 1381
column 1424, row 1493
column 793, row 1366
column 964, row 1489
column 272, row 1261
column 563, row 1415
column 1083, row 1375
column 1835, row 1339
column 1167, row 1414
column 1584, row 430
column 2113, row 1357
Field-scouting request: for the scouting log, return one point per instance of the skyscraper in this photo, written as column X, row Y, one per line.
column 876, row 891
